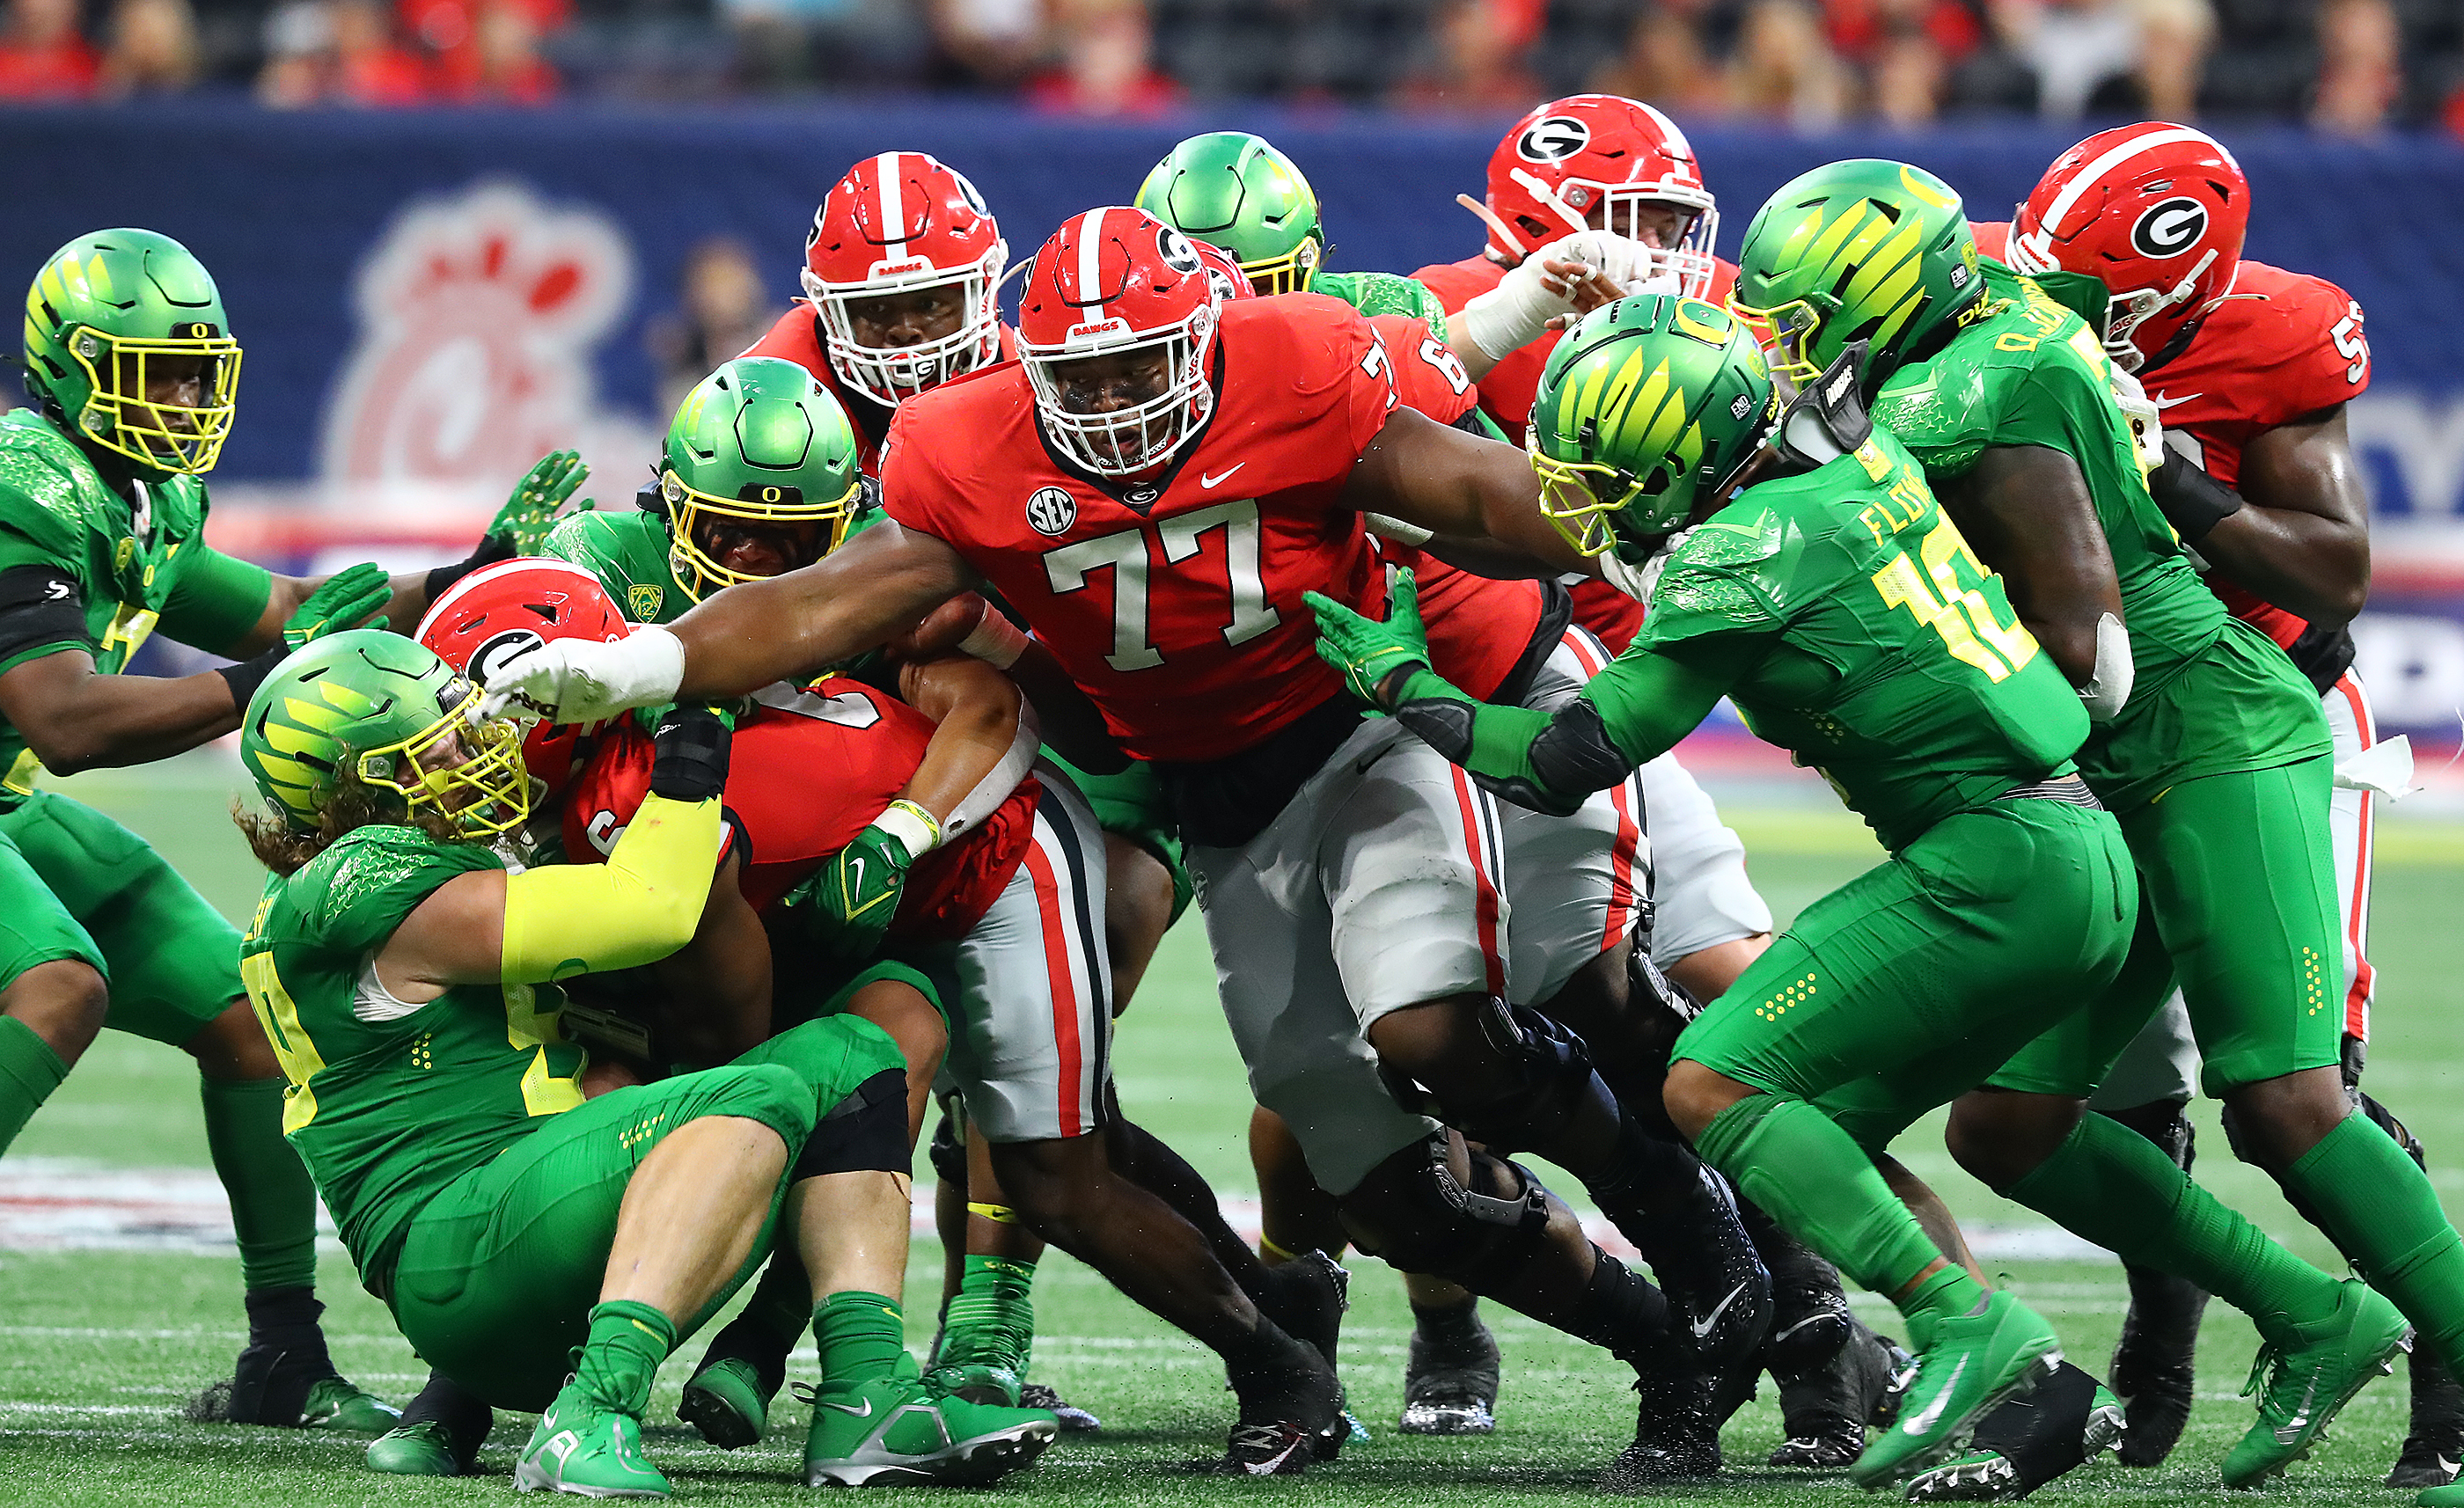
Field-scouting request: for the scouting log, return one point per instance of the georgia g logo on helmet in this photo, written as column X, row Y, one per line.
column 1176, row 251
column 1553, row 139
column 2169, row 228
column 498, row 649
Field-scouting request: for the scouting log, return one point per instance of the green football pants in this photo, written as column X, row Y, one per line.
column 1971, row 939
column 2239, row 876
column 1132, row 804
column 73, row 884
column 498, row 1272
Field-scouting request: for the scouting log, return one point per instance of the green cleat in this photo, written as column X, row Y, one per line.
column 2301, row 1386
column 1972, row 1363
column 2451, row 1496
column 892, row 1431
column 592, row 1452
column 978, row 1382
column 333, row 1404
column 425, row 1449
column 727, row 1403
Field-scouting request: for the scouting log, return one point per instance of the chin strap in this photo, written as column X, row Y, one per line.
column 2109, row 687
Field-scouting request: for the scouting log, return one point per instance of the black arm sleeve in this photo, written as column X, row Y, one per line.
column 2192, row 501
column 41, row 608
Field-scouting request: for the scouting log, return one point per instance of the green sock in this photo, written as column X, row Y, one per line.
column 1814, row 1180
column 862, row 1336
column 29, row 1072
column 2112, row 1186
column 628, row 1342
column 782, row 1300
column 991, row 1318
column 272, row 1200
column 2377, row 1205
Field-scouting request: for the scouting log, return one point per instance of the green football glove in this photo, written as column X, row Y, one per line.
column 348, row 599
column 1366, row 651
column 856, row 892
column 537, row 499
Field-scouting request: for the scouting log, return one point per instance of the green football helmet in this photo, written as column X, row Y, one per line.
column 1232, row 189
column 757, row 443
column 106, row 317
column 384, row 709
column 1864, row 250
column 1646, row 410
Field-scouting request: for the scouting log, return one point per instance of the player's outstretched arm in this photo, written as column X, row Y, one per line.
column 1456, row 484
column 2027, row 513
column 2297, row 533
column 1631, row 712
column 75, row 720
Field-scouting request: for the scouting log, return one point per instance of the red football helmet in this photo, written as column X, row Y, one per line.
column 513, row 605
column 1111, row 282
column 2155, row 212
column 1224, row 271
column 1571, row 156
column 896, row 223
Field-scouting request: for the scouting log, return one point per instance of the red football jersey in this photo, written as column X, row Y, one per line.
column 1175, row 603
column 868, row 745
column 796, row 336
column 1506, row 395
column 2281, row 345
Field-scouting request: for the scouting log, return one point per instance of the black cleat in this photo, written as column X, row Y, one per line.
column 1074, row 1420
column 1810, row 1320
column 1706, row 1264
column 1306, row 1297
column 2153, row 1364
column 2436, row 1444
column 1825, row 1411
column 1676, row 1433
column 1289, row 1416
column 2027, row 1441
column 1450, row 1381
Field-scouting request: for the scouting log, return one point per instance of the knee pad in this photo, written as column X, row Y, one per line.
column 1547, row 1081
column 949, row 1150
column 865, row 1132
column 1479, row 1240
column 2166, row 1122
column 2402, row 1133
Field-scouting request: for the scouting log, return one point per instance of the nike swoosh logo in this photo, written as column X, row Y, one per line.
column 865, row 1412
column 2163, row 403
column 855, row 875
column 1210, row 481
column 2291, row 1429
column 1924, row 1418
column 1702, row 1326
column 1811, row 1319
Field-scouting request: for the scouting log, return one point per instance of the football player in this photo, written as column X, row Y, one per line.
column 2006, row 398
column 405, row 977
column 132, row 373
column 1234, row 191
column 1624, row 171
column 1348, row 876
column 2248, row 368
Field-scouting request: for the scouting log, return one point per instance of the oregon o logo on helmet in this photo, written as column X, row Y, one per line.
column 2169, row 228
column 498, row 649
column 1051, row 510
column 1553, row 139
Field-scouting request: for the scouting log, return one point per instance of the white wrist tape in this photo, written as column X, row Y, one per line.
column 994, row 640
column 916, row 828
column 1396, row 529
column 2109, row 687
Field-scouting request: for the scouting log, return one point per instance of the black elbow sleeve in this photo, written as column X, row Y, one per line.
column 40, row 605
column 2192, row 501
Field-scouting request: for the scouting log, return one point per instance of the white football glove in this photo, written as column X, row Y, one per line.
column 2147, row 425
column 1517, row 310
column 582, row 681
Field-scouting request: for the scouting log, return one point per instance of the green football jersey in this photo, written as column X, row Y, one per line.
column 389, row 1103
column 1884, row 653
column 629, row 552
column 1375, row 294
column 136, row 564
column 2026, row 371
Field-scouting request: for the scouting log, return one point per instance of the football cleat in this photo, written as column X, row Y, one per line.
column 888, row 1431
column 2152, row 1364
column 1706, row 1264
column 2300, row 1387
column 728, row 1400
column 426, row 1449
column 1306, row 1297
column 293, row 1391
column 2027, row 1442
column 1825, row 1411
column 1676, row 1431
column 1289, row 1416
column 1973, row 1363
column 1450, row 1380
column 2436, row 1442
column 2451, row 1496
column 1074, row 1420
column 591, row 1451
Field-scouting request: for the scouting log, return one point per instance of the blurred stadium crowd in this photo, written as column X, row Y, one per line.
column 2352, row 67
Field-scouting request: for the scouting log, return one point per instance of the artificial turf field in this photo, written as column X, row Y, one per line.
column 100, row 1348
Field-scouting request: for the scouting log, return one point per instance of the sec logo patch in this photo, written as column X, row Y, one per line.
column 1051, row 510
